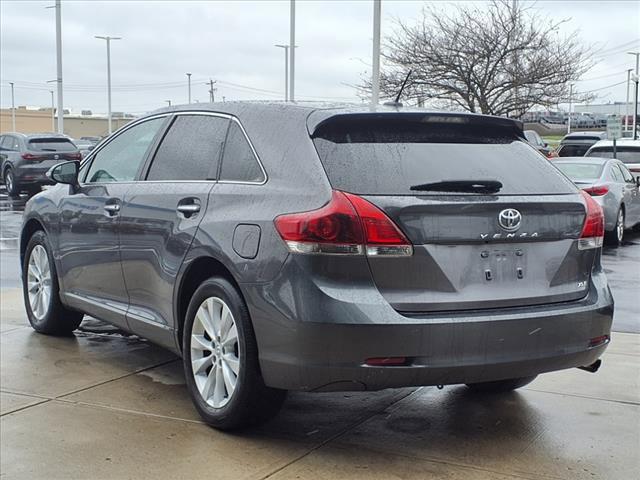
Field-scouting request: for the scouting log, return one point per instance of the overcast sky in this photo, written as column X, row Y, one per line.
column 233, row 43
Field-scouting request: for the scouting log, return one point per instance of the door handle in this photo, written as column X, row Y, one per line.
column 112, row 208
column 189, row 208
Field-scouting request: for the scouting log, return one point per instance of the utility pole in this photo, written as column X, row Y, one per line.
column 108, row 40
column 13, row 110
column 292, row 51
column 626, row 105
column 189, row 82
column 212, row 97
column 168, row 102
column 375, row 74
column 570, row 107
column 635, row 103
column 53, row 117
column 286, row 71
column 59, row 65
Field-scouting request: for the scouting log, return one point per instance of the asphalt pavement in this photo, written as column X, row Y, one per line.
column 104, row 404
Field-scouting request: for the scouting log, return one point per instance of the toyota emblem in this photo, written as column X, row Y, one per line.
column 510, row 219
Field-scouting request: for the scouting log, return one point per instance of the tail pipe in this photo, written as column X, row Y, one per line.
column 593, row 368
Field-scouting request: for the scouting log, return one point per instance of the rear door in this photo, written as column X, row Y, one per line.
column 160, row 216
column 515, row 247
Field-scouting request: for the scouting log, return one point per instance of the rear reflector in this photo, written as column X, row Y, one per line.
column 386, row 361
column 593, row 228
column 597, row 191
column 347, row 225
column 597, row 341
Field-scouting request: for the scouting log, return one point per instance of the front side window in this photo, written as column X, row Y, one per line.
column 239, row 163
column 191, row 149
column 121, row 158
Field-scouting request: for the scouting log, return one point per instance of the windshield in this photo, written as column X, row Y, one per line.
column 51, row 145
column 580, row 171
column 388, row 157
column 624, row 154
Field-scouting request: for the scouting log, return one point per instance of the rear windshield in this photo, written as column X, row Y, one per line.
column 51, row 145
column 387, row 158
column 580, row 171
column 573, row 150
column 624, row 154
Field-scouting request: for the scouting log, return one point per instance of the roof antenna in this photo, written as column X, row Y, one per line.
column 396, row 102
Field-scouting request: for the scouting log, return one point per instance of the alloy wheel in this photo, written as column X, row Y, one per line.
column 8, row 181
column 215, row 352
column 39, row 282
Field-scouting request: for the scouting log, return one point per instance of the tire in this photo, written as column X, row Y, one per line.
column 238, row 403
column 615, row 237
column 13, row 189
column 501, row 386
column 41, row 292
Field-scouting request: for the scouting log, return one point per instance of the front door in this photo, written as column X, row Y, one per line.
column 160, row 216
column 90, row 266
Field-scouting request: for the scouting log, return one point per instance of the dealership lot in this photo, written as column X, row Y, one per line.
column 102, row 404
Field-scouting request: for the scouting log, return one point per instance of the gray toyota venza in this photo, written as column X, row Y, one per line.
column 281, row 247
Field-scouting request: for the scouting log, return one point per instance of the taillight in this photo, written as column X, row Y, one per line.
column 74, row 156
column 31, row 156
column 597, row 191
column 593, row 228
column 348, row 224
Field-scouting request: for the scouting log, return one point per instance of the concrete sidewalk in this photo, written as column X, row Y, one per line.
column 104, row 405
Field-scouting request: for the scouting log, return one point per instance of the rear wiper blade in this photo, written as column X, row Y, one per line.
column 48, row 150
column 471, row 186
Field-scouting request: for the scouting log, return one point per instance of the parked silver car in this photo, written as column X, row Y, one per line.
column 612, row 185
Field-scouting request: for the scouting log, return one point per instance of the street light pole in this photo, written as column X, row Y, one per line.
column 189, row 80
column 59, row 65
column 375, row 79
column 626, row 105
column 570, row 107
column 13, row 110
column 168, row 102
column 286, row 71
column 292, row 51
column 635, row 103
column 53, row 117
column 108, row 40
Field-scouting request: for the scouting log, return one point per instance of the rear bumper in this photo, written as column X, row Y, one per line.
column 313, row 337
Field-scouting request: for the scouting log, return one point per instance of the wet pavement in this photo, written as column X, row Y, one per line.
column 102, row 404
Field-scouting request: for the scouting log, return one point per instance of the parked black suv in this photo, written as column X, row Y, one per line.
column 280, row 247
column 25, row 159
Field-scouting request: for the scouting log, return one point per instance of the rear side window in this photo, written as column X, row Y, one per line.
column 51, row 145
column 626, row 174
column 10, row 143
column 624, row 154
column 616, row 173
column 573, row 150
column 239, row 163
column 388, row 157
column 191, row 149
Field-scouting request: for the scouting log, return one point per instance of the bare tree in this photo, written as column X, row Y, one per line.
column 498, row 59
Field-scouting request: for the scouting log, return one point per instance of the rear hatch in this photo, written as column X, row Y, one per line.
column 43, row 149
column 512, row 247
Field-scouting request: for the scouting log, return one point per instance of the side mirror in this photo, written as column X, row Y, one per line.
column 66, row 172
